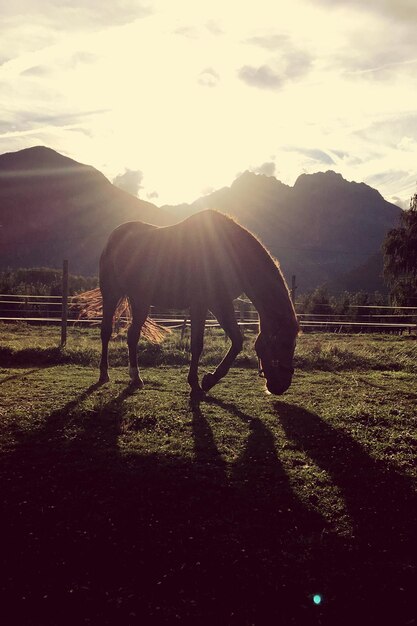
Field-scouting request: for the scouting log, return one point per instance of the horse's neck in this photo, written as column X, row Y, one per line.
column 271, row 299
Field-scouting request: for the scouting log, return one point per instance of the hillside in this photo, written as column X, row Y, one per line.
column 52, row 207
column 322, row 227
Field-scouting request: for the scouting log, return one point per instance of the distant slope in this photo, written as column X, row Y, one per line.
column 52, row 207
column 366, row 277
column 321, row 228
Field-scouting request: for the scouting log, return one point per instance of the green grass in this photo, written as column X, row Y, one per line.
column 125, row 507
column 23, row 344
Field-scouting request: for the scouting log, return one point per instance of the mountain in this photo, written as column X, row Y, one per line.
column 52, row 208
column 321, row 228
column 366, row 277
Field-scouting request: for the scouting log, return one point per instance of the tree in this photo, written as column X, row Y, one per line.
column 400, row 258
column 316, row 302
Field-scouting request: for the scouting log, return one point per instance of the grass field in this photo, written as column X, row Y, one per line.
column 137, row 507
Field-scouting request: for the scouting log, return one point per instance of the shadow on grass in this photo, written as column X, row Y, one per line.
column 95, row 536
column 23, row 374
column 381, row 571
column 52, row 355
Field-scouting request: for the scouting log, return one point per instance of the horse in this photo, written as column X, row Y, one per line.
column 202, row 264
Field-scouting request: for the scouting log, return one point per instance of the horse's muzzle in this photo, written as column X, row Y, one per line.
column 277, row 390
column 280, row 386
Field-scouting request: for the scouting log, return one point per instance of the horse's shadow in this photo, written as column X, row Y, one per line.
column 380, row 501
column 382, row 505
column 93, row 532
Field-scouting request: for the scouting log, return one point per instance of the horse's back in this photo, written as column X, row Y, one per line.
column 177, row 265
column 123, row 237
column 128, row 231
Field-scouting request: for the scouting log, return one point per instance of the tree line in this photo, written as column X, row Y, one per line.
column 320, row 301
column 42, row 281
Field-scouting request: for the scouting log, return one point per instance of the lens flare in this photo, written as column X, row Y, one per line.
column 317, row 599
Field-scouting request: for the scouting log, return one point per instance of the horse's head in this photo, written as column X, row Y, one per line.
column 275, row 354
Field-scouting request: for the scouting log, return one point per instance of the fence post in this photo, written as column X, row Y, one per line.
column 293, row 288
column 184, row 327
column 64, row 318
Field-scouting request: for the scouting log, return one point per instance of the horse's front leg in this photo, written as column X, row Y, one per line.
column 198, row 321
column 139, row 315
column 226, row 317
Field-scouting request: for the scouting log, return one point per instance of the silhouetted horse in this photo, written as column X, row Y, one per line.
column 202, row 263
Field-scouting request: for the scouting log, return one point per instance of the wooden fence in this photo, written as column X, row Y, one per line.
column 35, row 309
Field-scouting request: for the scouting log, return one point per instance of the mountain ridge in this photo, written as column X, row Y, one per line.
column 53, row 207
column 320, row 228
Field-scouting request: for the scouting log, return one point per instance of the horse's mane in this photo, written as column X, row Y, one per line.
column 265, row 263
column 252, row 241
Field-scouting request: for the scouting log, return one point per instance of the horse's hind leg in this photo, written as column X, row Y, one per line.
column 109, row 306
column 226, row 317
column 139, row 315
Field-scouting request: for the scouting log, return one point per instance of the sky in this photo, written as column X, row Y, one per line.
column 173, row 99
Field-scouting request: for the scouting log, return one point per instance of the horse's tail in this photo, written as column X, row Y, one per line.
column 89, row 306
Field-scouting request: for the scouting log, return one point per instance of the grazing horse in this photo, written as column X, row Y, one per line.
column 202, row 264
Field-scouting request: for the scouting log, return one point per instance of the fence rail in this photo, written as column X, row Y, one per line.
column 359, row 318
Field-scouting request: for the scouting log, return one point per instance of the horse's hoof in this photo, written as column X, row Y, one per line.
column 208, row 382
column 197, row 393
column 136, row 383
column 103, row 380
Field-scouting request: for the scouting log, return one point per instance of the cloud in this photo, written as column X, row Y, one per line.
column 269, row 42
column 75, row 61
column 407, row 144
column 24, row 121
column 299, row 62
column 377, row 42
column 312, row 153
column 28, row 28
column 78, row 15
column 389, row 176
column 129, row 181
column 402, row 184
column 380, row 55
column 395, row 131
column 291, row 63
column 208, row 77
column 191, row 32
column 196, row 31
column 263, row 77
column 318, row 155
column 402, row 10
column 369, row 67
column 267, row 169
column 341, row 154
column 214, row 28
column 82, row 57
column 403, row 204
column 37, row 71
